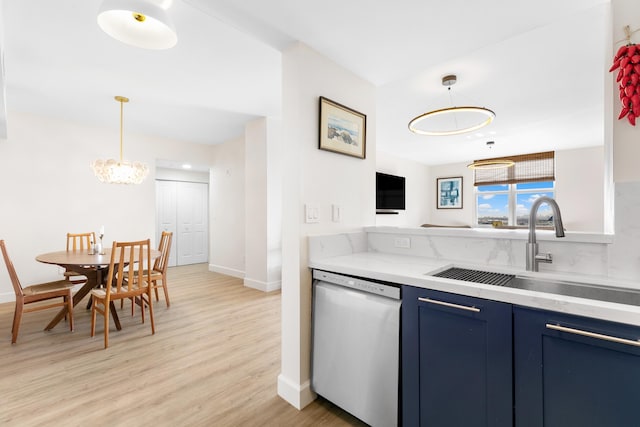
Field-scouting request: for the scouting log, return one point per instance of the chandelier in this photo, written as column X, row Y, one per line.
column 452, row 120
column 120, row 172
column 140, row 23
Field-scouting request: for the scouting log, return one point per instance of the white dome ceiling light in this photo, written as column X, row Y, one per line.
column 140, row 23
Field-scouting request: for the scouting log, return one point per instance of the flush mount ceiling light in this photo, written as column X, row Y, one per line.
column 120, row 172
column 140, row 23
column 453, row 120
column 491, row 163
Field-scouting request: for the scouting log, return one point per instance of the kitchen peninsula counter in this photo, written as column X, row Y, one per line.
column 417, row 271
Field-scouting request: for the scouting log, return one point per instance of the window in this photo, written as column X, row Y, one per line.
column 505, row 195
column 510, row 204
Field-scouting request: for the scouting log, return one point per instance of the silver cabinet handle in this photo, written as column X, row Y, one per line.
column 448, row 304
column 593, row 335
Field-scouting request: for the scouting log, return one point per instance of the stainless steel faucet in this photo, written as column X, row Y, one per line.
column 533, row 257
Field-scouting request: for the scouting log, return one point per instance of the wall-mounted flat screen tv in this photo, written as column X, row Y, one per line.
column 389, row 192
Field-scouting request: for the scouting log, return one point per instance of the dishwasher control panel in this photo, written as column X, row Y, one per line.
column 385, row 290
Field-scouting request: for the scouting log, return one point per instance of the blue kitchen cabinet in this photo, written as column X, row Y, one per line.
column 456, row 360
column 581, row 375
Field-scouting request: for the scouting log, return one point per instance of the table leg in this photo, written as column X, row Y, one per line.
column 114, row 314
column 99, row 282
column 94, row 277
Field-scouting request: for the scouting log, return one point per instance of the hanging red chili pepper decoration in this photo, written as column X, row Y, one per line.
column 627, row 60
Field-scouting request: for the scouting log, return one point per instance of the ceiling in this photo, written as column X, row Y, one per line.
column 541, row 66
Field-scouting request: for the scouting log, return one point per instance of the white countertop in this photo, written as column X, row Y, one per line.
column 415, row 271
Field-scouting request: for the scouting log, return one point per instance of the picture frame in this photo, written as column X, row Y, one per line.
column 342, row 129
column 449, row 192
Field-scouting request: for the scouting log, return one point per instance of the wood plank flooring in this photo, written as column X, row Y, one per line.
column 213, row 361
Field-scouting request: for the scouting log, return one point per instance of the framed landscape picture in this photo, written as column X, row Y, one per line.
column 342, row 130
column 449, row 193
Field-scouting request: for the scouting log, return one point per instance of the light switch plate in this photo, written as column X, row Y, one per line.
column 336, row 213
column 311, row 214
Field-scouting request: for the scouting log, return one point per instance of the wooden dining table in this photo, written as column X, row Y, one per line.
column 94, row 266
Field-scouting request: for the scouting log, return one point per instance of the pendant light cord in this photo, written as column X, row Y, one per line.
column 121, row 120
column 121, row 100
column 455, row 116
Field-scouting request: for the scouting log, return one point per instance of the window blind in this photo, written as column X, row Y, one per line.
column 527, row 168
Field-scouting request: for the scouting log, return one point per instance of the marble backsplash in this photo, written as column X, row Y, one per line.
column 615, row 257
column 584, row 258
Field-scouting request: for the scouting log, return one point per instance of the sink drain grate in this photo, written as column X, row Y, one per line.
column 476, row 276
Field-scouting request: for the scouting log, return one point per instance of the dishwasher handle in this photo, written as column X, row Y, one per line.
column 359, row 284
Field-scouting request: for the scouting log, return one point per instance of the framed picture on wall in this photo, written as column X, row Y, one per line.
column 342, row 130
column 449, row 192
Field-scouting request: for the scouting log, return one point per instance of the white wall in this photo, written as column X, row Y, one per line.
column 580, row 188
column 322, row 178
column 227, row 209
column 579, row 191
column 452, row 217
column 48, row 189
column 418, row 200
column 263, row 205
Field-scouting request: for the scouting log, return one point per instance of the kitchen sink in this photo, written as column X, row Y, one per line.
column 575, row 289
column 558, row 287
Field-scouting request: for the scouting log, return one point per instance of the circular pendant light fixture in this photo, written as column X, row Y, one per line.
column 452, row 120
column 140, row 23
column 120, row 172
column 491, row 164
column 487, row 164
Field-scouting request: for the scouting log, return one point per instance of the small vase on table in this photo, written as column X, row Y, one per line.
column 100, row 249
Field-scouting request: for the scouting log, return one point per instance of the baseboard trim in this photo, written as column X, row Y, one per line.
column 298, row 396
column 228, row 271
column 263, row 286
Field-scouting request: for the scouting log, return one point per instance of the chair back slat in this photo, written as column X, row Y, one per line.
column 17, row 287
column 125, row 280
column 164, row 247
column 124, row 255
column 80, row 241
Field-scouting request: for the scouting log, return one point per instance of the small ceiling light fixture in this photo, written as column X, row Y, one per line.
column 453, row 120
column 491, row 163
column 120, row 172
column 140, row 23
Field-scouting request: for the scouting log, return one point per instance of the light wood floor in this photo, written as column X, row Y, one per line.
column 213, row 361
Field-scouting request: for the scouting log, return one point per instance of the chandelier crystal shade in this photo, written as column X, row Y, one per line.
column 120, row 172
column 140, row 23
column 452, row 120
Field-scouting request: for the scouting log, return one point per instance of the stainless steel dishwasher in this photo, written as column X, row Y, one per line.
column 356, row 346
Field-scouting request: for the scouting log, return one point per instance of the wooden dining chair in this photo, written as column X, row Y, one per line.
column 35, row 293
column 123, row 282
column 78, row 242
column 159, row 270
